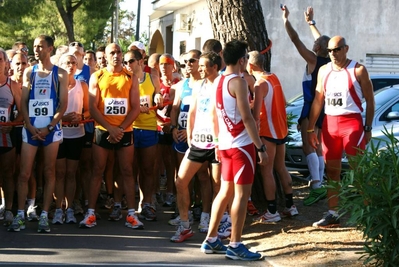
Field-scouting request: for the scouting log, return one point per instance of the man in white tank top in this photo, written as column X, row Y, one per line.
column 341, row 85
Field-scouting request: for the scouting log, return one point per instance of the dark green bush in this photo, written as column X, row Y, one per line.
column 370, row 194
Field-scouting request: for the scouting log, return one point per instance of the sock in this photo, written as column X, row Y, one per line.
column 21, row 213
column 333, row 213
column 130, row 211
column 91, row 211
column 3, row 201
column 118, row 204
column 234, row 244
column 185, row 224
column 44, row 213
column 272, row 206
column 58, row 209
column 321, row 169
column 204, row 215
column 31, row 202
column 86, row 202
column 289, row 202
column 313, row 165
column 212, row 239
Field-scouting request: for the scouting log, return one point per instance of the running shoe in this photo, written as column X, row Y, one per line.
column 89, row 221
column 224, row 230
column 181, row 234
column 43, row 226
column 77, row 207
column 159, row 197
column 133, row 222
column 2, row 212
column 216, row 247
column 70, row 216
column 31, row 214
column 315, row 195
column 242, row 253
column 176, row 221
column 59, row 217
column 18, row 223
column 116, row 214
column 148, row 213
column 8, row 218
column 251, row 209
column 109, row 202
column 204, row 223
column 170, row 200
column 329, row 221
column 268, row 217
column 197, row 210
column 290, row 212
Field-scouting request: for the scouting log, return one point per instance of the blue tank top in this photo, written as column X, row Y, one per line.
column 43, row 98
column 185, row 96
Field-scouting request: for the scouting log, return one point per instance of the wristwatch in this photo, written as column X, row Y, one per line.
column 367, row 128
column 312, row 22
column 50, row 128
column 261, row 149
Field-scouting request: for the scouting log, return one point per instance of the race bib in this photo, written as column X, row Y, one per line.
column 336, row 99
column 145, row 101
column 203, row 135
column 41, row 108
column 182, row 120
column 115, row 106
column 4, row 115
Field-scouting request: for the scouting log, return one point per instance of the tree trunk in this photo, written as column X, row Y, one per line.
column 241, row 20
column 66, row 12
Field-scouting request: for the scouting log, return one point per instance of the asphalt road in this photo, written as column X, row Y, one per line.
column 108, row 244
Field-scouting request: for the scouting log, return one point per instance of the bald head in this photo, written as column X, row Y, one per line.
column 113, row 53
column 336, row 41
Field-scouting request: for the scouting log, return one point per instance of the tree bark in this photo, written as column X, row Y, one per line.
column 241, row 20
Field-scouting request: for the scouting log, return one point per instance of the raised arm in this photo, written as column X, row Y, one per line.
column 312, row 24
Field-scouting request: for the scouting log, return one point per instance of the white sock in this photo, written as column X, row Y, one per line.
column 313, row 165
column 44, row 213
column 31, row 202
column 204, row 215
column 212, row 239
column 234, row 244
column 91, row 211
column 321, row 169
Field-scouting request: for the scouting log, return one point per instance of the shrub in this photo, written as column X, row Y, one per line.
column 370, row 193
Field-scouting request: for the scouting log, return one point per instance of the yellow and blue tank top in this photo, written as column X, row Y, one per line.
column 146, row 121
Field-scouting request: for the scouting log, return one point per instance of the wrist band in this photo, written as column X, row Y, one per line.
column 216, row 140
column 310, row 131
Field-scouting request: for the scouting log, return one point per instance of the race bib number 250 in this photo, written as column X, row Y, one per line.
column 115, row 106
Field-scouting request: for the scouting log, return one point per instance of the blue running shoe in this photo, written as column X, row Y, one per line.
column 242, row 253
column 216, row 247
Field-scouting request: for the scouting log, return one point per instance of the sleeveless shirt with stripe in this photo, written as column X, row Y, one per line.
column 232, row 132
column 6, row 105
column 43, row 98
column 75, row 104
column 342, row 91
column 114, row 102
column 273, row 116
column 146, row 121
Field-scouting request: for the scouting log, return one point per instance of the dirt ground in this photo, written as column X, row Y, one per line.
column 294, row 242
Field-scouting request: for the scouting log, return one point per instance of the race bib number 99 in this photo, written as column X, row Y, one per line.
column 41, row 108
column 4, row 115
column 115, row 106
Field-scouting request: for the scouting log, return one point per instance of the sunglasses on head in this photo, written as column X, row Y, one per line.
column 337, row 49
column 130, row 61
column 76, row 44
column 24, row 49
column 191, row 60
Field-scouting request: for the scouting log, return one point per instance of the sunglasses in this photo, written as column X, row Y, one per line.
column 76, row 44
column 24, row 49
column 130, row 61
column 191, row 60
column 335, row 49
column 246, row 56
column 182, row 66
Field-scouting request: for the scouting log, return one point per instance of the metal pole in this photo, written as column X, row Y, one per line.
column 137, row 37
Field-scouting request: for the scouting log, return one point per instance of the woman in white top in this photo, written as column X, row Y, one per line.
column 72, row 145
